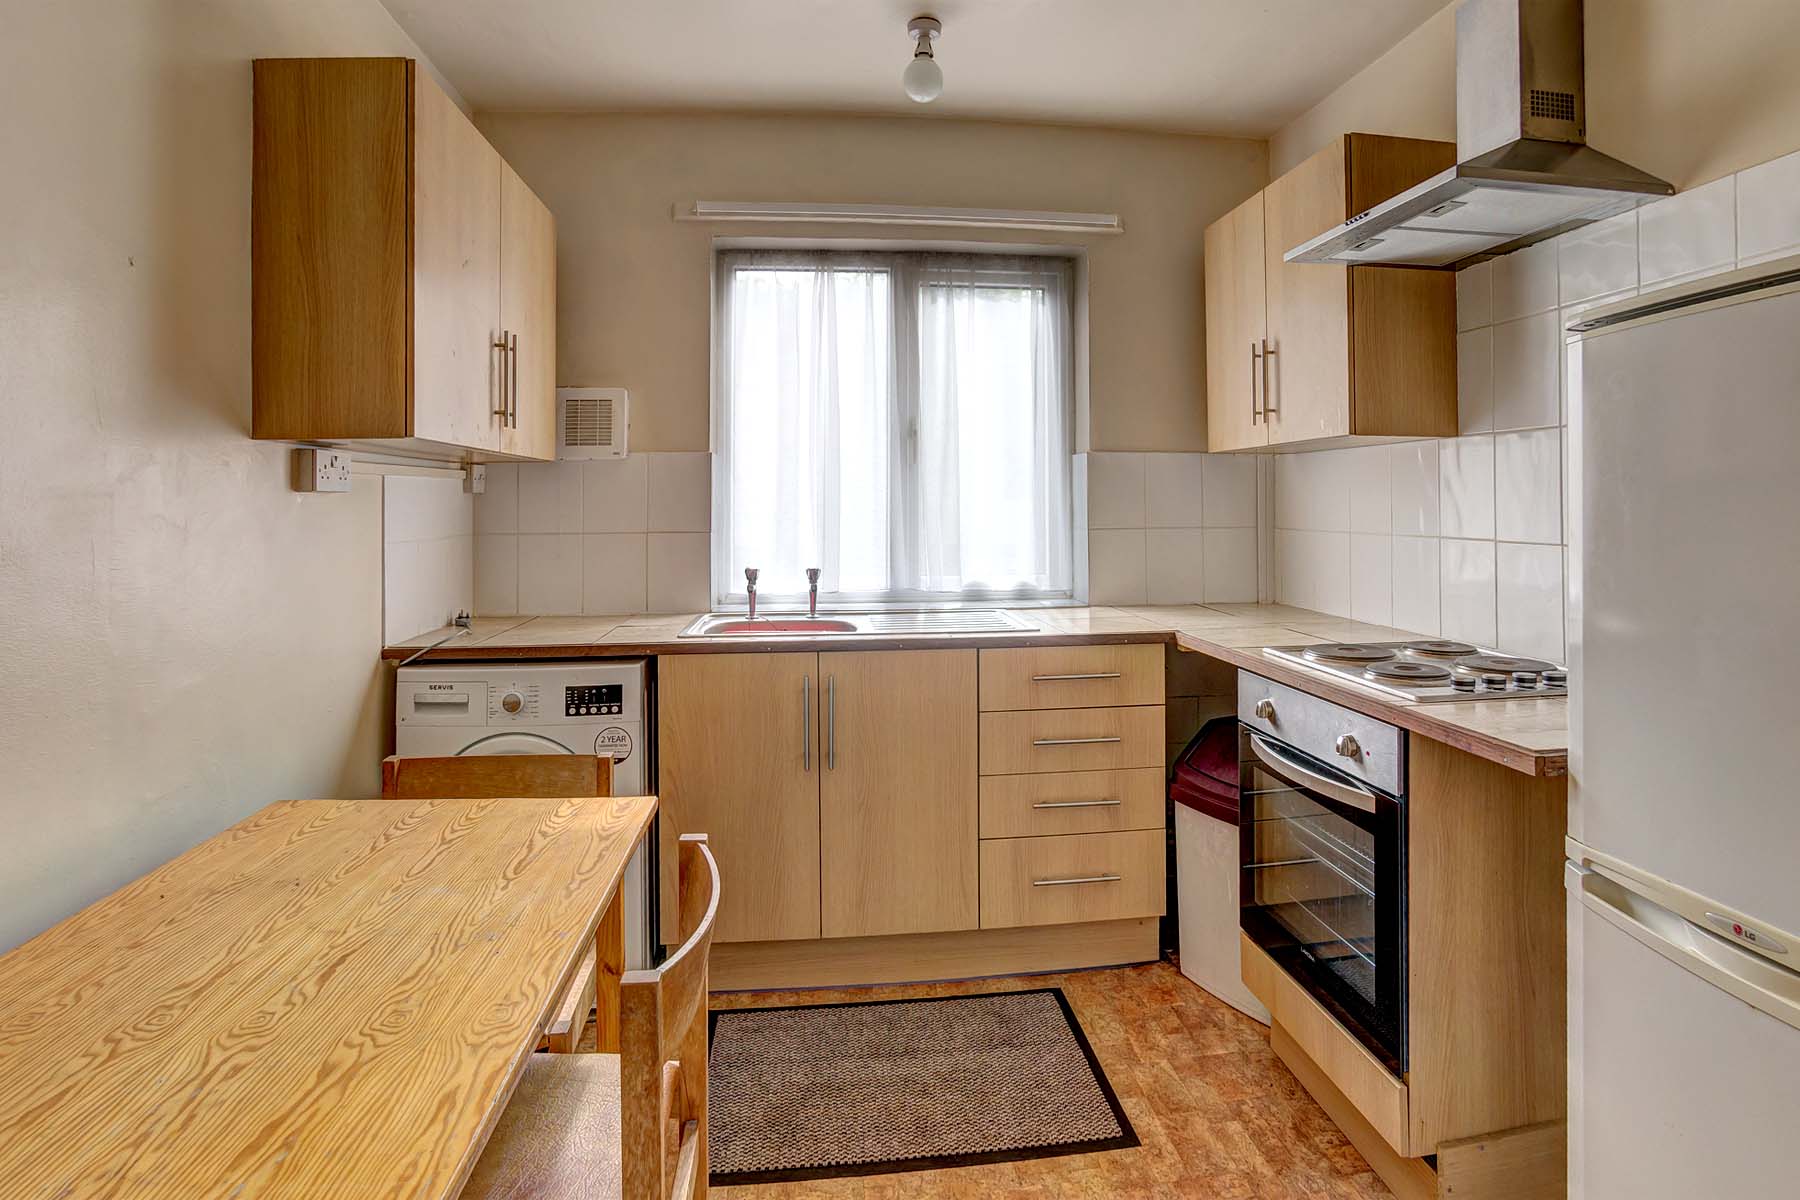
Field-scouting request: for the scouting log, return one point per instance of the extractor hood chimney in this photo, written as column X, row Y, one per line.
column 1525, row 173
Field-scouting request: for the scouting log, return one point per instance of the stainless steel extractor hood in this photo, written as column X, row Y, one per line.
column 1525, row 173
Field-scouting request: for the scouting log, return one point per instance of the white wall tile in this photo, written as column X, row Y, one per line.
column 550, row 573
column 1467, row 590
column 1371, row 489
column 1174, row 491
column 1525, row 281
column 1475, row 380
column 680, row 575
column 1116, row 567
column 1312, row 569
column 1116, row 485
column 1466, row 486
column 1688, row 234
column 1530, row 600
column 1768, row 209
column 1600, row 260
column 550, row 497
column 496, row 574
column 1528, row 486
column 1230, row 491
column 1416, row 584
column 614, row 495
column 680, row 492
column 417, row 508
column 1312, row 491
column 404, row 593
column 614, row 573
column 1528, row 372
column 1230, row 566
column 1372, row 577
column 497, row 508
column 1475, row 296
column 1175, row 560
column 1415, row 483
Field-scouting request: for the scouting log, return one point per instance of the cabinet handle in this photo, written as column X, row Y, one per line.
column 512, row 350
column 1082, row 675
column 1255, row 374
column 1269, row 353
column 1078, row 804
column 806, row 722
column 1097, row 741
column 1076, row 879
column 831, row 722
column 505, row 371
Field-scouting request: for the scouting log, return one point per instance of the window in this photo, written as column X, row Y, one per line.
column 901, row 421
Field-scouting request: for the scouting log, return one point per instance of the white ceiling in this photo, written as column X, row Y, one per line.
column 1238, row 67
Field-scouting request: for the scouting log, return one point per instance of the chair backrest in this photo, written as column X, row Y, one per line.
column 663, row 1046
column 482, row 776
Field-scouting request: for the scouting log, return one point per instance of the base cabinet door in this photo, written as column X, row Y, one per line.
column 898, row 793
column 739, row 736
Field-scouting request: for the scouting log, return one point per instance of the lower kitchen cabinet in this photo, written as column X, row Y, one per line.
column 1071, row 879
column 738, row 737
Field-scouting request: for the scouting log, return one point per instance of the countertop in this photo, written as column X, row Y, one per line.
column 1531, row 736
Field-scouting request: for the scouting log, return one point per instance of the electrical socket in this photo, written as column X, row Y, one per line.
column 321, row 470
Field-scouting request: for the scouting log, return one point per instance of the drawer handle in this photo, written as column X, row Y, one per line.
column 1081, row 675
column 1076, row 879
column 1078, row 804
column 1099, row 741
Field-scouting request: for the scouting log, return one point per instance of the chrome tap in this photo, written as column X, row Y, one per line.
column 812, row 596
column 750, row 574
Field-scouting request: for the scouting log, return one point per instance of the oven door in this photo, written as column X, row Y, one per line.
column 1323, row 890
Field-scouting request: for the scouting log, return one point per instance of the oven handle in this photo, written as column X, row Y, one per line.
column 1343, row 793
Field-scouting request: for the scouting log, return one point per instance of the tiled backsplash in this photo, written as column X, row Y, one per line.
column 1466, row 536
column 624, row 535
column 428, row 556
column 1168, row 528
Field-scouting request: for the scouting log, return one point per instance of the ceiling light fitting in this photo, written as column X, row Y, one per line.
column 923, row 79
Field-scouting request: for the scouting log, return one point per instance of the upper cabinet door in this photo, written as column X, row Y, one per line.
column 457, row 395
column 528, row 317
column 1235, row 329
column 1307, row 384
column 898, row 796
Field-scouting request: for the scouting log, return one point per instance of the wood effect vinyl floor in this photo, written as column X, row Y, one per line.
column 1219, row 1116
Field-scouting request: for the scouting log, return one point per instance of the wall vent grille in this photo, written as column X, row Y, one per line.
column 591, row 422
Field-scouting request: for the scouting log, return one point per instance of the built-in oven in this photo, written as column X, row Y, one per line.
column 1322, row 831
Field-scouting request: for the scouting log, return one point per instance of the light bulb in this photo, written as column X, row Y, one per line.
column 923, row 79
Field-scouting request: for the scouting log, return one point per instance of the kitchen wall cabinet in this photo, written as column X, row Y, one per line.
column 898, row 804
column 739, row 762
column 403, row 276
column 1301, row 355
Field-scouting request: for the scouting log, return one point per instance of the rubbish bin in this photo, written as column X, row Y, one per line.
column 1203, row 793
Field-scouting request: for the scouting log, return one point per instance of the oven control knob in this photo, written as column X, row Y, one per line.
column 1347, row 746
column 1265, row 709
column 512, row 702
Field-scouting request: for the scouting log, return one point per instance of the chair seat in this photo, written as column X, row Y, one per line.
column 559, row 1136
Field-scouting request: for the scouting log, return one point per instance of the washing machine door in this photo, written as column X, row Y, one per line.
column 515, row 741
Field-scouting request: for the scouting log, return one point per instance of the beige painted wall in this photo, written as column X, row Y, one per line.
column 1688, row 91
column 182, row 639
column 634, row 285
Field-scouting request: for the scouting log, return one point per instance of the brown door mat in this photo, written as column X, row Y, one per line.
column 829, row 1090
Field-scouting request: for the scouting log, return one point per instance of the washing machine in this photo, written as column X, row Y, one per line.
column 598, row 708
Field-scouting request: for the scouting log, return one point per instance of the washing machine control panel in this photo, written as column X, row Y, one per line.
column 512, row 701
column 602, row 700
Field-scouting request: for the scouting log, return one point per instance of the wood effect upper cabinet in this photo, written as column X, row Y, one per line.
column 739, row 762
column 403, row 287
column 899, row 807
column 1345, row 352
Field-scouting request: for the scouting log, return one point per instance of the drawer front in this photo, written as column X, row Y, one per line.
column 1071, row 802
column 1071, row 739
column 1065, row 880
column 1071, row 677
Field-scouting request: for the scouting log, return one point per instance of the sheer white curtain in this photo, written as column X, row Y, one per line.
column 901, row 421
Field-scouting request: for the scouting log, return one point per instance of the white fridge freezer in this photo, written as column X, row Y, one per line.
column 1684, row 764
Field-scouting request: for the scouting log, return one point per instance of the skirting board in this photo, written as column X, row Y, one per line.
column 924, row 957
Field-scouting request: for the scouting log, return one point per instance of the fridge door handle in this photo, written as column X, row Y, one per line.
column 1758, row 982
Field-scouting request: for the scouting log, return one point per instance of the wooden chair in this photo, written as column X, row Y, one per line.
column 630, row 1124
column 502, row 775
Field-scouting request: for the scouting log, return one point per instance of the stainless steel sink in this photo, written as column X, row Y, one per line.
column 922, row 621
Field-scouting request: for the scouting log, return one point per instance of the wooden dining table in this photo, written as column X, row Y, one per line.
column 331, row 999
